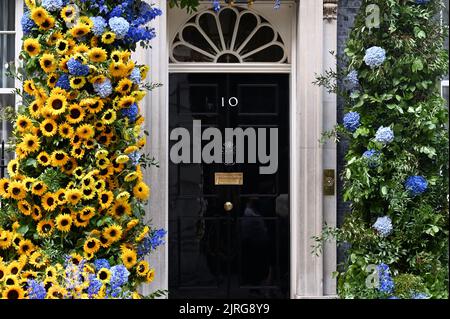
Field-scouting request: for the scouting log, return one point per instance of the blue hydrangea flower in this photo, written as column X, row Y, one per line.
column 52, row 5
column 152, row 242
column 422, row 1
column 383, row 226
column 99, row 25
column 375, row 56
column 416, row 185
column 36, row 290
column 103, row 89
column 131, row 112
column 27, row 23
column 119, row 26
column 134, row 157
column 135, row 76
column 352, row 79
column 216, row 5
column 136, row 34
column 77, row 68
column 372, row 157
column 101, row 263
column 94, row 285
column 63, row 82
column 420, row 295
column 384, row 135
column 385, row 281
column 351, row 121
column 145, row 14
column 119, row 275
column 277, row 4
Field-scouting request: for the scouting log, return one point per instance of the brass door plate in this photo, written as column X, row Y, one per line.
column 228, row 178
column 328, row 182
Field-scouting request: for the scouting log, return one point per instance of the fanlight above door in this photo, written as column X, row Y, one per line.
column 231, row 35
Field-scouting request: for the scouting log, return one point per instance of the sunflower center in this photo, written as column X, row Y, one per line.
column 91, row 244
column 47, row 63
column 103, row 275
column 13, row 294
column 39, row 186
column 64, row 222
column 10, row 281
column 30, row 143
column 57, row 104
column 59, row 156
column 16, row 190
column 75, row 113
column 46, row 24
column 105, row 198
column 15, row 270
column 50, row 201
column 77, row 81
column 120, row 210
column 25, row 248
column 62, row 46
column 125, row 87
column 23, row 124
column 48, row 127
column 113, row 233
column 31, row 48
column 46, row 228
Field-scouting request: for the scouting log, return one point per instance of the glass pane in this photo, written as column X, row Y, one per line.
column 5, row 126
column 182, row 53
column 227, row 21
column 7, row 14
column 208, row 24
column 7, row 43
column 262, row 37
column 247, row 24
column 195, row 38
column 274, row 53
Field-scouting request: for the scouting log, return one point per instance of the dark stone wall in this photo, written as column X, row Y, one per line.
column 347, row 11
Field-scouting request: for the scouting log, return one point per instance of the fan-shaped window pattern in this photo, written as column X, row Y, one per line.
column 231, row 35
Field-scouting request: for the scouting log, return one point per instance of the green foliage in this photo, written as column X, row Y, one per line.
column 403, row 93
column 190, row 5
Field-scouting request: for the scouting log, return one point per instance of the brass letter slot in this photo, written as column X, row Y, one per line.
column 328, row 182
column 228, row 178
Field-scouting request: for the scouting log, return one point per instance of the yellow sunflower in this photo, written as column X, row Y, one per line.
column 79, row 30
column 108, row 37
column 52, row 79
column 56, row 104
column 47, row 24
column 94, row 105
column 81, row 48
column 48, row 127
column 43, row 158
column 88, row 193
column 56, row 292
column 24, row 207
column 13, row 167
column 62, row 46
column 54, row 37
column 131, row 177
column 141, row 191
column 75, row 114
column 61, row 196
column 77, row 152
column 87, row 213
column 113, row 233
column 118, row 69
column 102, row 163
column 66, row 130
column 78, row 220
column 39, row 14
column 150, row 275
column 38, row 188
column 125, row 102
column 91, row 245
column 45, row 228
column 124, row 86
column 97, row 55
column 32, row 47
column 68, row 13
column 142, row 268
column 14, row 268
column 73, row 196
column 30, row 143
column 36, row 213
column 63, row 222
column 4, row 184
column 23, row 123
column 109, row 117
column 120, row 208
column 100, row 185
column 128, row 257
column 37, row 259
column 49, row 202
column 48, row 63
column 26, row 247
column 77, row 82
column 85, row 131
column 3, row 271
column 104, row 275
column 31, row 4
column 13, row 292
column 17, row 190
column 59, row 158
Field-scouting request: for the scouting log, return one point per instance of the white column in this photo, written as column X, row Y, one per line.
column 154, row 108
column 329, row 149
column 307, row 215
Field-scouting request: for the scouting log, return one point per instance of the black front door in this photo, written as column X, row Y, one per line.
column 229, row 241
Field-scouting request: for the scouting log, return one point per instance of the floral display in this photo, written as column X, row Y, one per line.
column 384, row 135
column 395, row 180
column 416, row 185
column 383, row 226
column 72, row 206
column 351, row 121
column 375, row 56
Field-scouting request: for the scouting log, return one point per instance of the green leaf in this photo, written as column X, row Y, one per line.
column 417, row 65
column 23, row 229
column 384, row 190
